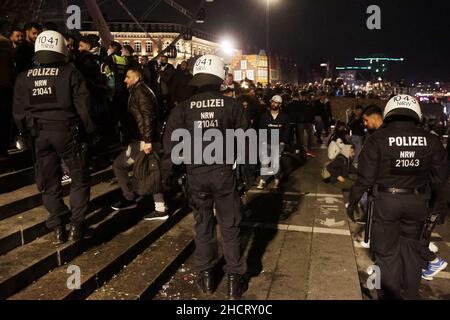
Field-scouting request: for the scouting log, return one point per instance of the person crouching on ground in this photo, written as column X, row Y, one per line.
column 141, row 129
column 341, row 166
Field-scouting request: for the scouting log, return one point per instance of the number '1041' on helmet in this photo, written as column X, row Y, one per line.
column 50, row 47
column 404, row 106
column 208, row 70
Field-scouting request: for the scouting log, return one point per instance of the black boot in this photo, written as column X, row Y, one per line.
column 60, row 235
column 236, row 286
column 205, row 281
column 76, row 232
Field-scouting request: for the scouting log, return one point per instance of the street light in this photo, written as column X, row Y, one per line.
column 227, row 50
column 268, row 2
column 227, row 47
column 326, row 65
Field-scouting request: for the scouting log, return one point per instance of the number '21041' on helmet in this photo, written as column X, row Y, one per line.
column 403, row 105
column 208, row 70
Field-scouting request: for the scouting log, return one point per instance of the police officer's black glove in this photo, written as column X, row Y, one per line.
column 350, row 211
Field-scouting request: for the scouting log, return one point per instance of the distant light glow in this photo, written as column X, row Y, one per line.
column 379, row 59
column 227, row 46
column 353, row 68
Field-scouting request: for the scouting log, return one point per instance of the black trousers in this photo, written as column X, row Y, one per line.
column 51, row 147
column 300, row 131
column 426, row 254
column 216, row 189
column 6, row 95
column 397, row 224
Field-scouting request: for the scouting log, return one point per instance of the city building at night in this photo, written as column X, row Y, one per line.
column 158, row 36
column 254, row 67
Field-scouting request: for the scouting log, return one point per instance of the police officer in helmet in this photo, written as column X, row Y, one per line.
column 401, row 162
column 211, row 185
column 51, row 105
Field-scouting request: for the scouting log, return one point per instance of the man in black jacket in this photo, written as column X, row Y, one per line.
column 277, row 120
column 180, row 89
column 165, row 73
column 89, row 65
column 7, row 74
column 25, row 51
column 305, row 124
column 358, row 131
column 141, row 129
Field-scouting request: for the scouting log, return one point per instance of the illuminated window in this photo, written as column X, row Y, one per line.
column 126, row 43
column 149, row 47
column 263, row 63
column 251, row 75
column 138, row 46
column 244, row 64
column 262, row 73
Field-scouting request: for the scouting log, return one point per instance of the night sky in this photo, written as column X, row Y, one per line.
column 315, row 31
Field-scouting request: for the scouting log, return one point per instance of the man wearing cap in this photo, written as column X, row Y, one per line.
column 399, row 162
column 274, row 119
column 51, row 104
column 210, row 184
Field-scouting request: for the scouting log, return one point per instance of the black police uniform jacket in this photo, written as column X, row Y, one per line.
column 52, row 93
column 207, row 110
column 400, row 155
column 142, row 106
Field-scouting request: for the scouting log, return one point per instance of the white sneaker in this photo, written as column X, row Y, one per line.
column 66, row 179
column 261, row 185
column 157, row 215
column 365, row 245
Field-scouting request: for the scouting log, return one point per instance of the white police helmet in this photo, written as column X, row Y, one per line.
column 208, row 70
column 277, row 99
column 50, row 47
column 403, row 105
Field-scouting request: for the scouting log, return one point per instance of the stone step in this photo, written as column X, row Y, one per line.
column 97, row 264
column 16, row 160
column 145, row 275
column 21, row 176
column 25, row 264
column 28, row 197
column 23, row 228
column 15, row 180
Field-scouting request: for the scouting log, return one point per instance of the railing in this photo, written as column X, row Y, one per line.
column 150, row 27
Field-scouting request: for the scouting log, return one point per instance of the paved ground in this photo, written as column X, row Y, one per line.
column 311, row 253
column 305, row 254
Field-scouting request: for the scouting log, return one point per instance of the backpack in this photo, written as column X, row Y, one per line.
column 147, row 174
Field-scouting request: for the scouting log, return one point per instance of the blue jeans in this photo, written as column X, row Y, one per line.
column 357, row 142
